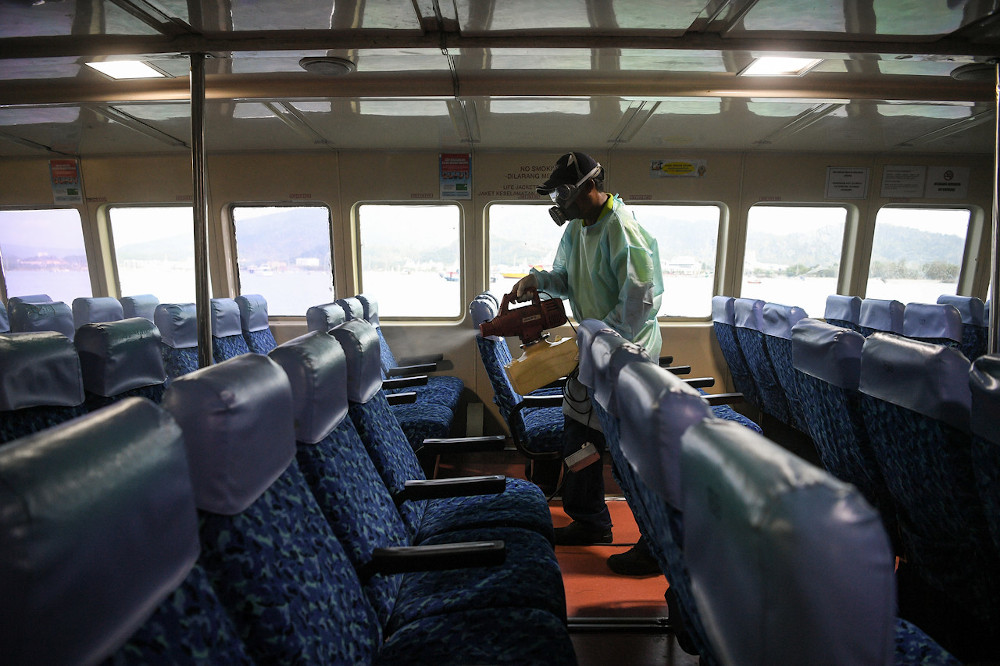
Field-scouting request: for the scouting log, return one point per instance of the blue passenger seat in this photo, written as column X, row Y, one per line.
column 178, row 326
column 92, row 583
column 4, row 319
column 916, row 406
column 40, row 383
column 140, row 305
column 120, row 359
column 984, row 381
column 788, row 565
column 749, row 314
column 53, row 316
column 724, row 325
column 975, row 329
column 843, row 311
column 254, row 322
column 778, row 323
column 933, row 322
column 227, row 330
column 881, row 315
column 96, row 310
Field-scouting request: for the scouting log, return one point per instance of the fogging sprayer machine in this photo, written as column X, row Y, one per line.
column 543, row 360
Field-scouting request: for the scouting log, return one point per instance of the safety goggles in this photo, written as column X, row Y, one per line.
column 564, row 194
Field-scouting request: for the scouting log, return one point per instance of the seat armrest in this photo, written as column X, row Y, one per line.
column 407, row 398
column 462, row 555
column 439, row 445
column 664, row 361
column 716, row 399
column 404, row 382
column 540, row 401
column 422, row 359
column 465, row 486
column 408, row 370
column 678, row 369
column 700, row 382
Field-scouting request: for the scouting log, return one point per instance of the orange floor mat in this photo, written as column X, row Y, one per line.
column 592, row 589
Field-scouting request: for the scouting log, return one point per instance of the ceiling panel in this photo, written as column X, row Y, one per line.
column 673, row 18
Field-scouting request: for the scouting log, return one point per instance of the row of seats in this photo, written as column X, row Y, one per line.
column 270, row 511
column 38, row 312
column 771, row 560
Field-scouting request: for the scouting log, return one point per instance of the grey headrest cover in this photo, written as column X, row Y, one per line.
column 882, row 315
column 984, row 380
column 225, row 318
column 655, row 408
column 610, row 353
column 97, row 527
column 932, row 320
column 844, row 308
column 317, row 371
column 586, row 332
column 140, row 305
column 352, row 308
column 178, row 324
column 827, row 352
column 253, row 312
column 360, row 343
column 972, row 309
column 238, row 429
column 324, row 317
column 484, row 308
column 777, row 549
column 779, row 320
column 120, row 355
column 92, row 310
column 370, row 307
column 749, row 313
column 723, row 310
column 924, row 377
column 54, row 316
column 29, row 298
column 40, row 368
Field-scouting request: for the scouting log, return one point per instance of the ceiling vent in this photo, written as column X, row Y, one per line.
column 975, row 72
column 329, row 66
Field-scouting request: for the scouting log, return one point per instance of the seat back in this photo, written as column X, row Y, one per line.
column 53, row 316
column 933, row 322
column 227, row 330
column 324, row 317
column 140, row 305
column 788, row 564
column 40, row 382
column 302, row 601
column 881, row 315
column 119, row 359
column 916, row 403
column 4, row 319
column 724, row 325
column 975, row 330
column 778, row 323
column 79, row 570
column 365, row 307
column 843, row 311
column 254, row 323
column 984, row 382
column 749, row 315
column 96, row 310
column 178, row 326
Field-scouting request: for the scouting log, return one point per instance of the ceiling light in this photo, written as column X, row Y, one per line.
column 771, row 66
column 328, row 66
column 127, row 69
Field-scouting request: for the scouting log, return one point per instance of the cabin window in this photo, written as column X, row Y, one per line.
column 792, row 254
column 687, row 237
column 154, row 251
column 284, row 254
column 410, row 258
column 43, row 253
column 522, row 237
column 917, row 253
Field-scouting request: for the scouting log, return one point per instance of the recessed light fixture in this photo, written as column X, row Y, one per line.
column 774, row 66
column 127, row 69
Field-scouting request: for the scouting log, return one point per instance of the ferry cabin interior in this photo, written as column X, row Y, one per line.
column 400, row 109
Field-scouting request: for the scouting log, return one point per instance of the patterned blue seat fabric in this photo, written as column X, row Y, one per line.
column 52, row 316
column 843, row 311
column 41, row 383
column 254, row 323
column 96, row 310
column 749, row 315
column 984, row 382
column 520, row 505
column 178, row 326
column 119, row 359
column 881, row 315
column 827, row 359
column 778, row 323
column 227, row 330
column 139, row 305
column 779, row 550
column 724, row 325
column 267, row 546
column 916, row 403
column 97, row 584
column 933, row 322
column 975, row 331
column 4, row 319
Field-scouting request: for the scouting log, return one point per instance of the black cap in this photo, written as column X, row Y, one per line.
column 570, row 169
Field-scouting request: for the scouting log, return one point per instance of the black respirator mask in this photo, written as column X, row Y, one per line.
column 564, row 196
